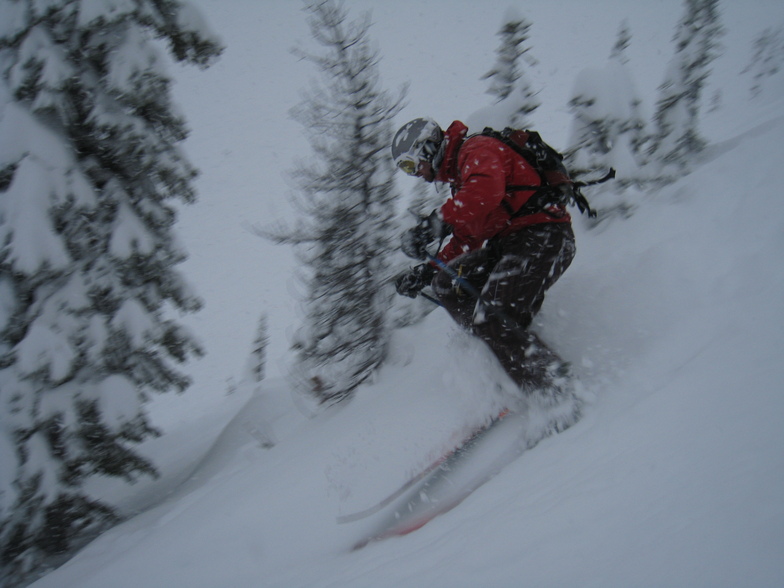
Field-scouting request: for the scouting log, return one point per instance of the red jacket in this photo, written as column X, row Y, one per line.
column 479, row 169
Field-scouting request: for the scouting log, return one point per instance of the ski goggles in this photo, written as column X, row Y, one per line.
column 409, row 165
column 411, row 161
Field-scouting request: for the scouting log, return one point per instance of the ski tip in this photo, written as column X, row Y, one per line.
column 399, row 530
column 350, row 518
column 360, row 544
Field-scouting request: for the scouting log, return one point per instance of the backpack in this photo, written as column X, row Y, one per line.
column 557, row 187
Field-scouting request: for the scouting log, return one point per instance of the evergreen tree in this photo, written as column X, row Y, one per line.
column 677, row 138
column 88, row 165
column 258, row 356
column 514, row 93
column 767, row 59
column 622, row 44
column 347, row 200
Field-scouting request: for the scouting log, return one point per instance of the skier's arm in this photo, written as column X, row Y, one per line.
column 474, row 211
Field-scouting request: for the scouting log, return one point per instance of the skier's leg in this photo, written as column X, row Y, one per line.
column 530, row 263
column 532, row 260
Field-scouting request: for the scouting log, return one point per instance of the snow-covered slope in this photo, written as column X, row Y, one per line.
column 674, row 322
column 675, row 476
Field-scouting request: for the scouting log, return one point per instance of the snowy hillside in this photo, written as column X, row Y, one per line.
column 673, row 320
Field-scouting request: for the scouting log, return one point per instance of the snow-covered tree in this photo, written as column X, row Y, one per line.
column 607, row 131
column 677, row 138
column 515, row 96
column 347, row 198
column 608, row 124
column 767, row 59
column 89, row 164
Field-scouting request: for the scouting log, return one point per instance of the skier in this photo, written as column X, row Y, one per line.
column 507, row 254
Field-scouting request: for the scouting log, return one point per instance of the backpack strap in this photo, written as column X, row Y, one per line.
column 556, row 185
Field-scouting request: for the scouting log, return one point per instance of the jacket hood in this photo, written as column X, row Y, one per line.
column 453, row 140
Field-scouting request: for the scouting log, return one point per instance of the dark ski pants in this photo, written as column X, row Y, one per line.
column 512, row 273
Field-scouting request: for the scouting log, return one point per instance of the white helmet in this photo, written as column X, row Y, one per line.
column 415, row 142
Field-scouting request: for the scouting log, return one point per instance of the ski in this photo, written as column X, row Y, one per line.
column 451, row 481
column 476, row 433
column 486, row 452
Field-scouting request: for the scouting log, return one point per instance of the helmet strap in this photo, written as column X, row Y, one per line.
column 438, row 156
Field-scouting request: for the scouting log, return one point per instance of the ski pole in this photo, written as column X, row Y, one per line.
column 435, row 301
column 457, row 278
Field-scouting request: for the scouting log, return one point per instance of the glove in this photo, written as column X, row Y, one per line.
column 414, row 241
column 411, row 283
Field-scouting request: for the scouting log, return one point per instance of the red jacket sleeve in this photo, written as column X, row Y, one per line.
column 485, row 167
